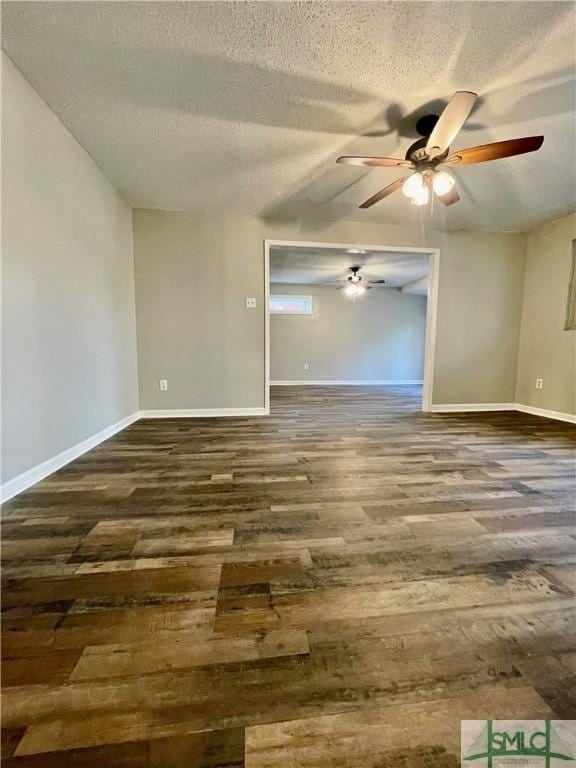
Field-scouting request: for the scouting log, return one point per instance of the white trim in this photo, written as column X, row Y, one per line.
column 557, row 415
column 350, row 246
column 346, row 382
column 431, row 309
column 266, row 256
column 202, row 413
column 467, row 407
column 430, row 340
column 34, row 475
column 470, row 407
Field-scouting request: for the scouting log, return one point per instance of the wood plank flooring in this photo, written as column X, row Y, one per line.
column 336, row 585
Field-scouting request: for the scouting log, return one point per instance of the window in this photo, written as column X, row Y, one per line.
column 290, row 305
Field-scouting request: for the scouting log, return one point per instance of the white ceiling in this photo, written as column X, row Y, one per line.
column 244, row 106
column 315, row 266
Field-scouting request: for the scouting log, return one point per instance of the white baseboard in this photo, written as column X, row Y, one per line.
column 346, row 382
column 202, row 413
column 468, row 407
column 558, row 415
column 471, row 407
column 32, row 476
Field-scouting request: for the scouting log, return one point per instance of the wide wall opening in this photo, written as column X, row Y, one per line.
column 342, row 315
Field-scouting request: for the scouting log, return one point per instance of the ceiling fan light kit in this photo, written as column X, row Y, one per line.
column 354, row 290
column 353, row 285
column 417, row 186
column 433, row 150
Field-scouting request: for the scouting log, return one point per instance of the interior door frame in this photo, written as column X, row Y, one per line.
column 431, row 307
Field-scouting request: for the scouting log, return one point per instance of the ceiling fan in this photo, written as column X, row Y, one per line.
column 355, row 285
column 426, row 155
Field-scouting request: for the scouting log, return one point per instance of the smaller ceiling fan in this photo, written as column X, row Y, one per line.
column 428, row 153
column 355, row 285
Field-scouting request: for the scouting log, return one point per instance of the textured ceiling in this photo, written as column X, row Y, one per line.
column 244, row 106
column 313, row 266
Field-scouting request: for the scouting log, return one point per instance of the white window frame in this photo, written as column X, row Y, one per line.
column 285, row 296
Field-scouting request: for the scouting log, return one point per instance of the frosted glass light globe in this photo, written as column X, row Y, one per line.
column 421, row 197
column 413, row 184
column 442, row 183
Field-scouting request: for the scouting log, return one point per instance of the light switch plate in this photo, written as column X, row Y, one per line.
column 250, row 303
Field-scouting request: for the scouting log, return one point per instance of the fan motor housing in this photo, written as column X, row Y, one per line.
column 416, row 152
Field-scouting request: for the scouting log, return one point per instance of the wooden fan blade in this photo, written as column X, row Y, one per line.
column 388, row 162
column 384, row 192
column 376, row 282
column 450, row 197
column 495, row 151
column 450, row 122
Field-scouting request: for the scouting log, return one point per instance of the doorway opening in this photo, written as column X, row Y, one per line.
column 343, row 314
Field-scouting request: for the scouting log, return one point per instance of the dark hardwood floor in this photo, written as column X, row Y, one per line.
column 336, row 585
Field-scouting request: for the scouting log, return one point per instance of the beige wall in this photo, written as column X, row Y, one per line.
column 547, row 351
column 192, row 276
column 68, row 323
column 193, row 273
column 69, row 366
column 377, row 337
column 479, row 306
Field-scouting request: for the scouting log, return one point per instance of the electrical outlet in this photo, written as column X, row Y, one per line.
column 306, row 366
column 163, row 385
column 539, row 383
column 250, row 303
